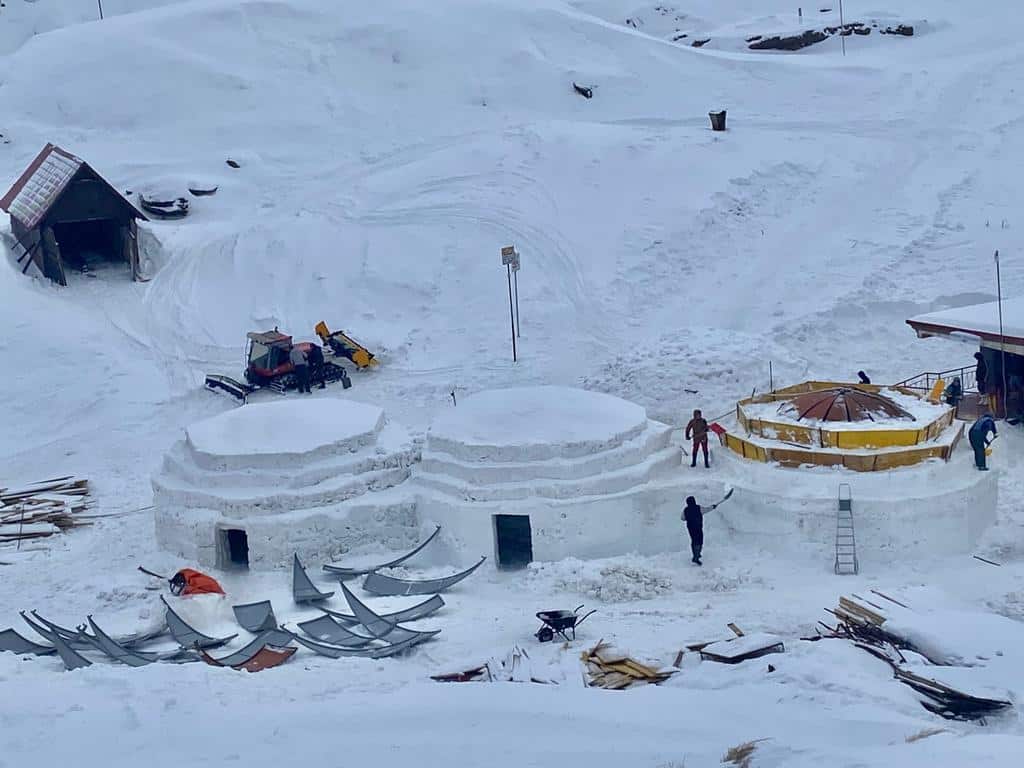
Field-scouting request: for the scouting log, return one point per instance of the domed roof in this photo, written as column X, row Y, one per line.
column 843, row 404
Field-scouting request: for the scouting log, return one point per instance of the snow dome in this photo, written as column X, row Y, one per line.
column 543, row 473
column 252, row 485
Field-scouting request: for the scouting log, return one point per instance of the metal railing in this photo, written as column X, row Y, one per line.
column 927, row 380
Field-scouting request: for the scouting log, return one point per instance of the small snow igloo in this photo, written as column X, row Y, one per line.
column 544, row 473
column 317, row 477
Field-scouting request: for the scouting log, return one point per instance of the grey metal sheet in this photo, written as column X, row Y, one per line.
column 351, row 573
column 118, row 652
column 188, row 637
column 378, row 626
column 13, row 642
column 72, row 659
column 303, row 588
column 256, row 617
column 418, row 611
column 325, row 629
column 379, row 584
column 369, row 652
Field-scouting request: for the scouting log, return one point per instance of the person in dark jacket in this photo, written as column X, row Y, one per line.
column 863, row 377
column 954, row 392
column 697, row 430
column 978, row 435
column 301, row 366
column 317, row 372
column 694, row 517
column 981, row 373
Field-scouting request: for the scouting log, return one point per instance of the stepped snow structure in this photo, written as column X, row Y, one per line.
column 543, row 473
column 317, row 477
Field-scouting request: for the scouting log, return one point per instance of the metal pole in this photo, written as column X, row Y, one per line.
column 1002, row 340
column 841, row 30
column 515, row 284
column 771, row 377
column 511, row 312
column 99, row 3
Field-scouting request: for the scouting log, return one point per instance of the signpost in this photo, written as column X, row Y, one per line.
column 510, row 260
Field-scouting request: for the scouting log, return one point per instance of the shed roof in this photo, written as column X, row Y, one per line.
column 981, row 320
column 42, row 184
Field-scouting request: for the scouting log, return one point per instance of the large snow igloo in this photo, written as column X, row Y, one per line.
column 544, row 473
column 318, row 477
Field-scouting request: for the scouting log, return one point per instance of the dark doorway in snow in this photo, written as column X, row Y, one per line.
column 85, row 244
column 514, row 539
column 234, row 548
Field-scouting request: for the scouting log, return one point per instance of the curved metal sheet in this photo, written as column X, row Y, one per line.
column 370, row 652
column 13, row 642
column 188, row 637
column 246, row 652
column 256, row 617
column 418, row 611
column 326, row 629
column 303, row 588
column 379, row 584
column 377, row 625
column 351, row 573
column 118, row 652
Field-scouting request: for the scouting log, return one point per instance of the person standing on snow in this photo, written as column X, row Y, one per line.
column 863, row 377
column 694, row 517
column 978, row 435
column 317, row 371
column 299, row 362
column 697, row 430
column 954, row 392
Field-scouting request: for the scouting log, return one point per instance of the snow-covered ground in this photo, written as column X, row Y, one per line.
column 387, row 152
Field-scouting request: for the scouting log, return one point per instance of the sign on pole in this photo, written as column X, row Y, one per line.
column 508, row 255
column 508, row 258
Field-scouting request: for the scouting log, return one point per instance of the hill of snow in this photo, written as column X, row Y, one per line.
column 387, row 151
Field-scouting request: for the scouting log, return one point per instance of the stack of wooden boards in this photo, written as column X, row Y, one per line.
column 862, row 621
column 42, row 509
column 606, row 668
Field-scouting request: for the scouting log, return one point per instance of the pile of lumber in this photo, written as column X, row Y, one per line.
column 42, row 509
column 861, row 621
column 606, row 668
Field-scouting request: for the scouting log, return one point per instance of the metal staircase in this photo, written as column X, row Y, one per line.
column 846, row 543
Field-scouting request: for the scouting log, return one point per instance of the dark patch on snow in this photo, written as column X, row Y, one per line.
column 791, row 43
column 699, row 43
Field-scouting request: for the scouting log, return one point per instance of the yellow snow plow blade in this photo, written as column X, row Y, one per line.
column 345, row 346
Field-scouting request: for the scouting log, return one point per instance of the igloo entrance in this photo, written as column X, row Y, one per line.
column 234, row 548
column 513, row 541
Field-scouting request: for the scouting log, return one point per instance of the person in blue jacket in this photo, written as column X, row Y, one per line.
column 978, row 435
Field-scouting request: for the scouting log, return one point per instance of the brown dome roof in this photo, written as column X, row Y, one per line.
column 843, row 404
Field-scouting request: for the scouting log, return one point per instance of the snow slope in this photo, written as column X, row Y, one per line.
column 387, row 152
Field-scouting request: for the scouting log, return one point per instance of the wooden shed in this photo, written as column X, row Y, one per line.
column 64, row 214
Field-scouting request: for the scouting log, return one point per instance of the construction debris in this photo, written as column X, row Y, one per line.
column 742, row 648
column 861, row 622
column 515, row 667
column 42, row 509
column 615, row 671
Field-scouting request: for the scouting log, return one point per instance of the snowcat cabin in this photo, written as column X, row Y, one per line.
column 268, row 356
column 65, row 216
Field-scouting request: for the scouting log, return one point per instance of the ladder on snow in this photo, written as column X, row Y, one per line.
column 846, row 544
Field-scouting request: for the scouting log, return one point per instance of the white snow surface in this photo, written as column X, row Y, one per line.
column 539, row 416
column 387, row 152
column 981, row 318
column 292, row 426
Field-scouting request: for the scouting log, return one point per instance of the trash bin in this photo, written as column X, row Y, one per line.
column 717, row 120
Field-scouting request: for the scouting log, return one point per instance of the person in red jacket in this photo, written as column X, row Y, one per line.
column 697, row 430
column 190, row 582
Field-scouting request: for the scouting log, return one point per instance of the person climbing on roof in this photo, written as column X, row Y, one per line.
column 863, row 377
column 301, row 365
column 954, row 392
column 694, row 517
column 981, row 373
column 978, row 436
column 697, row 430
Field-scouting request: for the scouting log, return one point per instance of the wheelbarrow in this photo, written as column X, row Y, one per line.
column 560, row 622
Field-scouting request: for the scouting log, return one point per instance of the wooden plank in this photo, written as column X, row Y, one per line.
column 736, row 630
